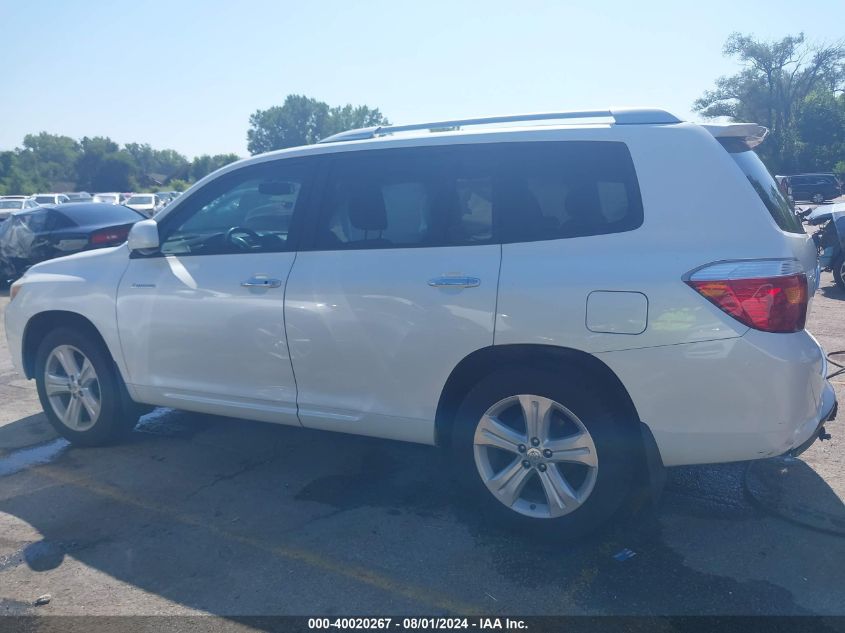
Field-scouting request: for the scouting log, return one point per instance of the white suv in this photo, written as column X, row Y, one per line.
column 560, row 306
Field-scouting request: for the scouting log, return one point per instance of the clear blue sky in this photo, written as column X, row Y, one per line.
column 186, row 74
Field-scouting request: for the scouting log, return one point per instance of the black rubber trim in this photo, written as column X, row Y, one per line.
column 795, row 452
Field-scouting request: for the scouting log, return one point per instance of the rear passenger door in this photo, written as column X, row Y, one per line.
column 397, row 285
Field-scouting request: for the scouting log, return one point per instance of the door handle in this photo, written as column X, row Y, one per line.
column 261, row 282
column 454, row 282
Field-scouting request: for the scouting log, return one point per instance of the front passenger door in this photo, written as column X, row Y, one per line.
column 201, row 321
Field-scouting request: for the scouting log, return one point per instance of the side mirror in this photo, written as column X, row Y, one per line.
column 143, row 236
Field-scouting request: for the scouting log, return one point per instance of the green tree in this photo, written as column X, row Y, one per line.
column 13, row 178
column 178, row 185
column 169, row 163
column 49, row 160
column 166, row 162
column 775, row 79
column 820, row 131
column 203, row 165
column 303, row 120
column 116, row 172
column 94, row 150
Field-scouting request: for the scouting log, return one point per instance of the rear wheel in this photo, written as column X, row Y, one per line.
column 838, row 266
column 544, row 451
column 79, row 389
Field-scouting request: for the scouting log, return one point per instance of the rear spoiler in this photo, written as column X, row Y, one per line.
column 748, row 134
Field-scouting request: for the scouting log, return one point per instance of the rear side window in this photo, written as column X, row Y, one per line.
column 765, row 186
column 478, row 194
column 547, row 191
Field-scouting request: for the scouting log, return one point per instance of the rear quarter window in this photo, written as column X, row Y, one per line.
column 764, row 185
column 546, row 191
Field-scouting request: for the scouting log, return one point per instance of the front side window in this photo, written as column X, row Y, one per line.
column 248, row 210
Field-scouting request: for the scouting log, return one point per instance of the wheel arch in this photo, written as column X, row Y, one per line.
column 487, row 360
column 650, row 473
column 39, row 325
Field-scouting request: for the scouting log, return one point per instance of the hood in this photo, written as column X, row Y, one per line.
column 66, row 265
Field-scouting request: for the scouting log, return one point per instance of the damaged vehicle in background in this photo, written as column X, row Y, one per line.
column 39, row 234
column 830, row 239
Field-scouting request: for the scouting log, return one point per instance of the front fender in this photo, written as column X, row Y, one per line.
column 84, row 284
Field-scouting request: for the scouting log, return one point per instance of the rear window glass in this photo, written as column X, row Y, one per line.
column 92, row 214
column 765, row 186
column 35, row 221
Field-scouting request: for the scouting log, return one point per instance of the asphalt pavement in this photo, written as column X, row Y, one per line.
column 203, row 515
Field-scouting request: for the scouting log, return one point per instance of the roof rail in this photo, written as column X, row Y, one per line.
column 621, row 116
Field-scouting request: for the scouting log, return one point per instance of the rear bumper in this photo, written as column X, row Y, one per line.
column 751, row 397
column 819, row 433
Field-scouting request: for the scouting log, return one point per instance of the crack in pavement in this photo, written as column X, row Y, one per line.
column 247, row 467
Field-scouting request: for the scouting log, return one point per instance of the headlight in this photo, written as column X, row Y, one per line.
column 14, row 290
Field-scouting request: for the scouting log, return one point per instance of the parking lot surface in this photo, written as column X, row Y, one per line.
column 196, row 514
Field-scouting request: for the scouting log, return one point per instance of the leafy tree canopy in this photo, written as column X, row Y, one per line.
column 303, row 120
column 791, row 86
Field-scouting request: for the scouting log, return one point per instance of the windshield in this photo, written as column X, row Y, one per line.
column 766, row 187
column 140, row 200
column 11, row 204
column 45, row 199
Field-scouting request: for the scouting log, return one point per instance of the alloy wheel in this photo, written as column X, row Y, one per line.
column 535, row 456
column 72, row 388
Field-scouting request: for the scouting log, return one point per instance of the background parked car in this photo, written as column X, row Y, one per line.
column 35, row 235
column 108, row 198
column 814, row 187
column 147, row 203
column 50, row 198
column 10, row 204
column 78, row 196
column 167, row 197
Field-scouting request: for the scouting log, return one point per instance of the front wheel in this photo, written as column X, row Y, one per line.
column 544, row 451
column 79, row 389
column 838, row 267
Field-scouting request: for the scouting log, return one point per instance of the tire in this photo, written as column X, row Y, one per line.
column 838, row 267
column 76, row 386
column 579, row 407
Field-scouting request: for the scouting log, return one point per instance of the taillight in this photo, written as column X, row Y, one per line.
column 110, row 236
column 768, row 295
